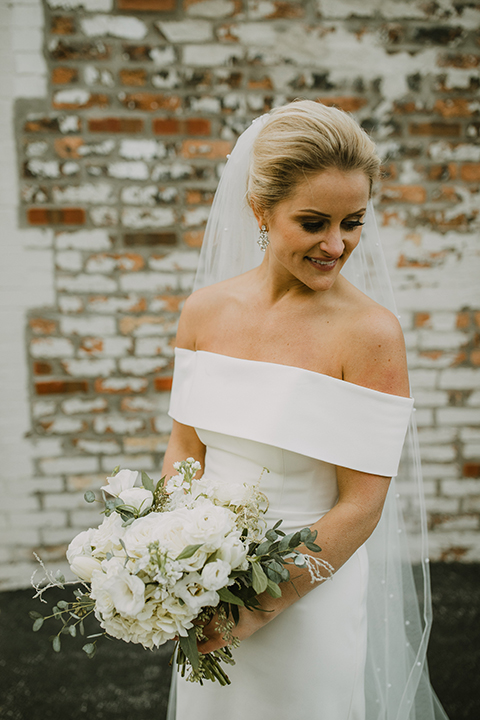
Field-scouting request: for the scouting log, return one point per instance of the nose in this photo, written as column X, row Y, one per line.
column 332, row 243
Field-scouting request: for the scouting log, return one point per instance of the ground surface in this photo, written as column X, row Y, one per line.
column 124, row 681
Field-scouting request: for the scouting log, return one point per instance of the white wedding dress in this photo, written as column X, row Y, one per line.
column 310, row 662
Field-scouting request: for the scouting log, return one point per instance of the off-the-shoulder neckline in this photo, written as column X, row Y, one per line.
column 344, row 383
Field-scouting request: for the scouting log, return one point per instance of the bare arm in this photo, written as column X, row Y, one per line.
column 184, row 443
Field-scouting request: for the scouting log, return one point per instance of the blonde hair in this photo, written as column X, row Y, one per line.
column 300, row 139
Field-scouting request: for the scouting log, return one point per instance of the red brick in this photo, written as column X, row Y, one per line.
column 56, row 387
column 62, row 25
column 405, row 107
column 172, row 303
column 264, row 83
column 191, row 126
column 68, row 147
column 422, row 319
column 193, row 238
column 42, row 326
column 56, row 216
column 403, row 193
column 463, row 320
column 443, row 172
column 198, row 126
column 477, row 318
column 435, row 129
column 149, row 239
column 199, row 197
column 45, row 124
column 471, row 470
column 206, row 149
column 94, row 100
column 466, row 61
column 137, row 77
column 80, row 51
column 347, row 103
column 166, row 126
column 147, row 5
column 453, row 107
column 115, row 125
column 42, row 368
column 151, row 101
column 64, row 75
column 163, row 384
column 475, row 357
column 470, row 172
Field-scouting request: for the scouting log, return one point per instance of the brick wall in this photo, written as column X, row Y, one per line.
column 124, row 113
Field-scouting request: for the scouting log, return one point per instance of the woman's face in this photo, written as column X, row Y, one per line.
column 313, row 232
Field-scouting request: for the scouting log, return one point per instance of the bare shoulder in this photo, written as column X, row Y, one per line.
column 199, row 309
column 375, row 353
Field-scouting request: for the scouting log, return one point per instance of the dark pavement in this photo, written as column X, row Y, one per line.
column 125, row 681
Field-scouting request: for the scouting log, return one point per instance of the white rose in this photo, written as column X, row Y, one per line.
column 228, row 493
column 126, row 591
column 215, row 575
column 83, row 567
column 104, row 607
column 137, row 497
column 123, row 480
column 106, row 538
column 234, row 552
column 208, row 524
column 81, row 544
column 190, row 589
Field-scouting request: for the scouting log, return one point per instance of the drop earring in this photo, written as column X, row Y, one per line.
column 263, row 240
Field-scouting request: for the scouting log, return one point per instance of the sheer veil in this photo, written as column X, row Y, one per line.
column 399, row 603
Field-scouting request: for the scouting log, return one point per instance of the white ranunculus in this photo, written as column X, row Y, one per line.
column 190, row 589
column 123, row 480
column 106, row 538
column 208, row 524
column 83, row 567
column 234, row 552
column 81, row 545
column 215, row 575
column 137, row 497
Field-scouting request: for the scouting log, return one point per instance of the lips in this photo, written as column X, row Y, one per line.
column 323, row 264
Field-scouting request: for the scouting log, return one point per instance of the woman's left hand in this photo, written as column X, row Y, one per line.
column 249, row 622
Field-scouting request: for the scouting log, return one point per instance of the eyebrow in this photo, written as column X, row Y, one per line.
column 326, row 215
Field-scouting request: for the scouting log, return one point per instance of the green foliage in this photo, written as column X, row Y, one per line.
column 188, row 552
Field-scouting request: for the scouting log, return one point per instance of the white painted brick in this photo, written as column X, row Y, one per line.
column 460, row 488
column 42, row 408
column 104, row 447
column 87, row 193
column 64, row 425
column 70, row 260
column 69, row 304
column 211, row 55
column 129, row 28
column 119, row 384
column 27, row 14
column 143, row 404
column 186, row 31
column 163, row 56
column 83, row 519
column 470, row 435
column 471, row 504
column 409, row 490
column 95, row 367
column 439, row 470
column 139, row 462
column 106, row 146
column 430, row 436
column 83, row 240
column 89, row 5
column 212, row 9
column 86, row 283
column 23, row 503
column 51, row 347
column 117, row 424
column 129, row 170
column 25, row 536
column 458, row 416
column 109, row 347
column 96, row 325
column 175, row 261
column 176, row 171
column 69, row 465
column 15, row 576
column 78, row 405
column 471, row 451
column 44, row 168
column 474, row 399
column 461, row 522
column 206, row 104
column 30, row 86
column 34, row 485
column 186, row 281
column 149, row 282
column 436, row 340
column 64, row 501
column 151, row 346
column 142, row 366
column 142, row 149
column 444, row 321
column 163, row 424
column 59, row 536
column 101, row 264
column 460, row 379
column 442, row 505
column 465, row 546
column 431, row 398
column 423, row 417
column 434, row 359
column 438, row 453
column 139, row 218
column 38, row 520
column 45, row 447
column 27, row 38
column 113, row 304
column 148, row 194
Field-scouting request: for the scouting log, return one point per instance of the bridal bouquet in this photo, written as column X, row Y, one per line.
column 168, row 558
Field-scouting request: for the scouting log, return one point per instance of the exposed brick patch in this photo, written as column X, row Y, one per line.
column 163, row 384
column 42, row 368
column 403, row 193
column 93, row 100
column 349, row 104
column 42, row 326
column 56, row 387
column 150, row 101
column 435, row 129
column 470, row 172
column 190, row 126
column 56, row 216
column 136, row 77
column 149, row 239
column 63, row 50
column 471, row 470
column 454, row 107
column 115, row 125
column 64, row 75
column 147, row 5
column 62, row 25
column 68, row 147
column 193, row 238
column 206, row 150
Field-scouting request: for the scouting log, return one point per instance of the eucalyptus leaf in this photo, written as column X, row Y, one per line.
column 34, row 614
column 89, row 496
column 263, row 548
column 90, row 649
column 147, row 482
column 188, row 552
column 259, row 579
column 300, row 560
column 188, row 644
column 72, row 630
column 295, row 540
column 81, row 627
column 306, row 534
column 273, row 589
column 227, row 596
column 38, row 624
column 63, row 604
column 57, row 645
column 271, row 535
column 272, row 575
column 312, row 547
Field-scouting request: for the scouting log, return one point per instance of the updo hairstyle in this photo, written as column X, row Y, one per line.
column 302, row 139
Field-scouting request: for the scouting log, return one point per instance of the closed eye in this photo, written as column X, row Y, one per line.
column 314, row 227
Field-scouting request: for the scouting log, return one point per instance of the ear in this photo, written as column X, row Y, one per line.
column 260, row 215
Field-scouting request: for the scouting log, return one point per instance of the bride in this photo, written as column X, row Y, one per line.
column 282, row 363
